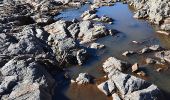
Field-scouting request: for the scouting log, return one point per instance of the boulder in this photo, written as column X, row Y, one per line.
column 113, row 63
column 150, row 61
column 26, row 79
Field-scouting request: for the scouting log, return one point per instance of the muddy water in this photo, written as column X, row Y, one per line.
column 130, row 30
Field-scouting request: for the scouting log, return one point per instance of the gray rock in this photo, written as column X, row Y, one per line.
column 84, row 78
column 113, row 63
column 97, row 46
column 150, row 61
column 81, row 56
column 128, row 53
column 115, row 97
column 33, row 80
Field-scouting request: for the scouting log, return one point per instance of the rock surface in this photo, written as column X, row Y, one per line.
column 155, row 11
column 84, row 78
column 128, row 86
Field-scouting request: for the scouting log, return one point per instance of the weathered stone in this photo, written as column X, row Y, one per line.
column 113, row 63
column 84, row 78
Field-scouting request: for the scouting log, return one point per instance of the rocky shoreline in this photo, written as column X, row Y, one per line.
column 33, row 44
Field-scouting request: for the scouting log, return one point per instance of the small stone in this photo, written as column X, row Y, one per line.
column 159, row 69
column 163, row 32
column 141, row 73
column 150, row 61
column 128, row 53
column 73, row 81
column 135, row 67
column 83, row 78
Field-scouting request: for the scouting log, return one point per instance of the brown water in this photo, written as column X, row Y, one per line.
column 131, row 29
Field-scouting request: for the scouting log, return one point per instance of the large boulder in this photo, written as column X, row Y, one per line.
column 26, row 79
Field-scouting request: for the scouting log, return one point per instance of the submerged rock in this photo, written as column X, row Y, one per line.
column 128, row 53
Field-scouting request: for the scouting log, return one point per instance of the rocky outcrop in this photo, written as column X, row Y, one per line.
column 155, row 11
column 25, row 77
column 129, row 87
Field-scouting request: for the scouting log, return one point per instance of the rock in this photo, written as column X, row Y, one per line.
column 127, row 85
column 113, row 63
column 104, row 88
column 163, row 55
column 90, row 32
column 163, row 32
column 135, row 67
column 146, row 50
column 7, row 84
column 115, row 96
column 81, row 56
column 128, row 53
column 73, row 81
column 152, row 48
column 84, row 78
column 149, row 93
column 159, row 69
column 141, row 73
column 32, row 79
column 155, row 11
column 150, row 61
column 97, row 46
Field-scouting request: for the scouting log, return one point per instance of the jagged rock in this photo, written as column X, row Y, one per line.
column 164, row 55
column 84, row 78
column 128, row 53
column 150, row 61
column 152, row 48
column 113, row 63
column 33, row 80
column 96, row 46
column 155, row 11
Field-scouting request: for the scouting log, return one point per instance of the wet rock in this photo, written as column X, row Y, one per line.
column 97, row 46
column 150, row 61
column 113, row 63
column 150, row 49
column 128, row 53
column 89, row 15
column 135, row 67
column 84, row 78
